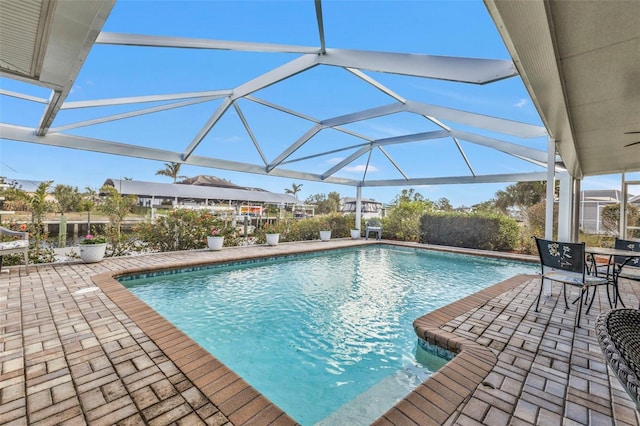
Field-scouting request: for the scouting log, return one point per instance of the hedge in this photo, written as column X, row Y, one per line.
column 478, row 231
column 309, row 229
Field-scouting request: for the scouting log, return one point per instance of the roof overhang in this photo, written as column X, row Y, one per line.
column 580, row 63
column 46, row 42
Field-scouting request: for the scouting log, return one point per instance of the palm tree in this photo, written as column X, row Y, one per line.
column 172, row 170
column 294, row 190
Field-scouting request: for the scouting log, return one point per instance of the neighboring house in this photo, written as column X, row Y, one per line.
column 369, row 208
column 200, row 192
column 593, row 201
column 28, row 186
column 463, row 209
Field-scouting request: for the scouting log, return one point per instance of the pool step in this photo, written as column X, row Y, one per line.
column 374, row 402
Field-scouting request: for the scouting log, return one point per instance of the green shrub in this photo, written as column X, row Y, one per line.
column 305, row 229
column 182, row 229
column 479, row 231
column 308, row 229
column 597, row 240
column 40, row 250
column 289, row 230
column 339, row 224
column 403, row 219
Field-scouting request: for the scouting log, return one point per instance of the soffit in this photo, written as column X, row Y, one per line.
column 579, row 62
column 46, row 42
column 22, row 28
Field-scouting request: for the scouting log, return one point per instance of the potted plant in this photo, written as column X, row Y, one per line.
column 272, row 238
column 271, row 235
column 325, row 235
column 215, row 240
column 92, row 248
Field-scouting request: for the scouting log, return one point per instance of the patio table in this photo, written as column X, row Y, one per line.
column 610, row 253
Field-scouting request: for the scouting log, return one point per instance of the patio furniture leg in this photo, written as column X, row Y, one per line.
column 617, row 291
column 582, row 291
column 539, row 293
column 609, row 296
column 594, row 298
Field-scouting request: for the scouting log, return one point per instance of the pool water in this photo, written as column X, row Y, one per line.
column 326, row 337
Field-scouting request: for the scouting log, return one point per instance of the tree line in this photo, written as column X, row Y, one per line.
column 523, row 202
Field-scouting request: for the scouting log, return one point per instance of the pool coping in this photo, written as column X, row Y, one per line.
column 432, row 402
column 437, row 398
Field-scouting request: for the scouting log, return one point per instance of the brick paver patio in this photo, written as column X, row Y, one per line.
column 78, row 348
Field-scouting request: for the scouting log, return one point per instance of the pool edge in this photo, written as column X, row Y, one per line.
column 241, row 403
column 437, row 399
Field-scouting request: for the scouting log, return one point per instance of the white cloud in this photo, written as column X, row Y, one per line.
column 522, row 102
column 76, row 88
column 361, row 168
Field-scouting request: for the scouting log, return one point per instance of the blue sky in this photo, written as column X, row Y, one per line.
column 451, row 28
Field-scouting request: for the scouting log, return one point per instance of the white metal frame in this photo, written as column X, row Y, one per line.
column 356, row 62
column 624, row 227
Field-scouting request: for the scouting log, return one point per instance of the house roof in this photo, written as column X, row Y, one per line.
column 345, row 200
column 205, row 180
column 25, row 185
column 197, row 192
column 610, row 195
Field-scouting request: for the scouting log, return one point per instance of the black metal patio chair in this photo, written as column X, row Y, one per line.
column 627, row 267
column 565, row 263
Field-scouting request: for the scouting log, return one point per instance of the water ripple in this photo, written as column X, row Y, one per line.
column 322, row 328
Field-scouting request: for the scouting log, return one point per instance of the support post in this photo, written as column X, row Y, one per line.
column 548, row 219
column 565, row 211
column 551, row 163
column 62, row 231
column 359, row 207
column 577, row 209
column 623, row 209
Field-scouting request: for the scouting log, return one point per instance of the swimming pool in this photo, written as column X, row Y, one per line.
column 327, row 337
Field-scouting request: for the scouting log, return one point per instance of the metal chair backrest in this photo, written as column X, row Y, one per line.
column 561, row 256
column 630, row 246
column 373, row 223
